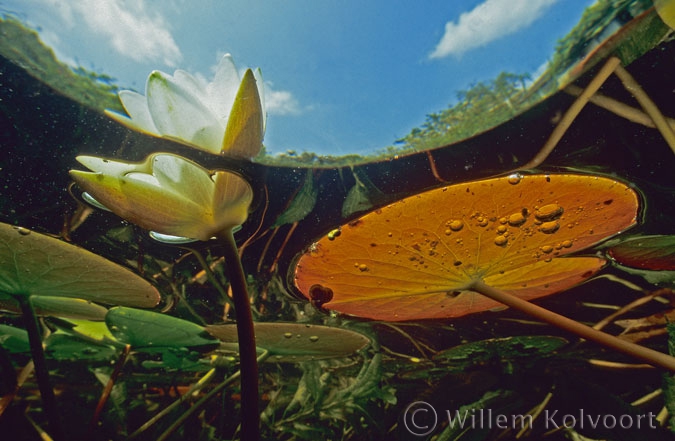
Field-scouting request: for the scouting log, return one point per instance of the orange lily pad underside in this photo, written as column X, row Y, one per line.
column 417, row 258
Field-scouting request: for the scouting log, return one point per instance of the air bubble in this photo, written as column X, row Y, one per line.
column 516, row 219
column 566, row 244
column 313, row 338
column 456, row 225
column 548, row 212
column 288, row 334
column 501, row 229
column 547, row 249
column 515, row 178
column 549, row 227
column 482, row 222
column 363, row 267
column 501, row 240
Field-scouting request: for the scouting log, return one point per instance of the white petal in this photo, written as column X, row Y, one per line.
column 112, row 168
column 222, row 90
column 261, row 91
column 231, row 200
column 181, row 176
column 177, row 111
column 136, row 105
column 191, row 84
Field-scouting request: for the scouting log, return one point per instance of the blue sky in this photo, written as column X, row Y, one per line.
column 341, row 77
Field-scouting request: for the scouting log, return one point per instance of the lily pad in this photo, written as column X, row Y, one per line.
column 142, row 329
column 507, row 348
column 14, row 340
column 35, row 264
column 60, row 307
column 418, row 258
column 64, row 347
column 295, row 342
column 655, row 253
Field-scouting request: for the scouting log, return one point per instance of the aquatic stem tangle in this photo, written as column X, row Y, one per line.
column 41, row 370
column 248, row 365
column 573, row 111
column 612, row 65
column 209, row 275
column 206, row 398
column 647, row 104
column 651, row 356
column 121, row 361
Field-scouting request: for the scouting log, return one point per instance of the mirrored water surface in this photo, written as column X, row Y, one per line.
column 377, row 277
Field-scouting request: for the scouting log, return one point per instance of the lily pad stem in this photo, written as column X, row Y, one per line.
column 41, row 371
column 205, row 399
column 651, row 356
column 248, row 365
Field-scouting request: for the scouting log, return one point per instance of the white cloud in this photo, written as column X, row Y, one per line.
column 487, row 22
column 133, row 31
column 280, row 102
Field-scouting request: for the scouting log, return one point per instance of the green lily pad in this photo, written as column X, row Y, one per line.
column 35, row 264
column 656, row 253
column 60, row 307
column 502, row 349
column 178, row 359
column 505, row 352
column 64, row 347
column 14, row 340
column 140, row 329
column 295, row 342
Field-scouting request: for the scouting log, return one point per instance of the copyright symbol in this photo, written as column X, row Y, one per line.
column 420, row 418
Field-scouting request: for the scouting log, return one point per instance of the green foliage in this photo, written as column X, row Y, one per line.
column 483, row 106
column 24, row 48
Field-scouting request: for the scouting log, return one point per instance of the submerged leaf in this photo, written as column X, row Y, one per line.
column 14, row 340
column 527, row 347
column 35, row 264
column 361, row 196
column 302, row 204
column 294, row 342
column 60, row 307
column 140, row 328
column 646, row 252
column 418, row 258
column 65, row 347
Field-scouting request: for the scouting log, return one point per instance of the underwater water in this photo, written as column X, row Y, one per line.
column 501, row 373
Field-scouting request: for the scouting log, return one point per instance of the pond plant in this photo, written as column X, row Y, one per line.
column 38, row 265
column 468, row 247
column 172, row 195
column 440, row 254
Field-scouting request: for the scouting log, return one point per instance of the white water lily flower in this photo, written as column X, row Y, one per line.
column 168, row 194
column 226, row 116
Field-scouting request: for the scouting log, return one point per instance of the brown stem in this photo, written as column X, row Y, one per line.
column 651, row 356
column 572, row 113
column 652, row 110
column 41, row 370
column 618, row 108
column 205, row 399
column 248, row 365
column 121, row 361
column 183, row 398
